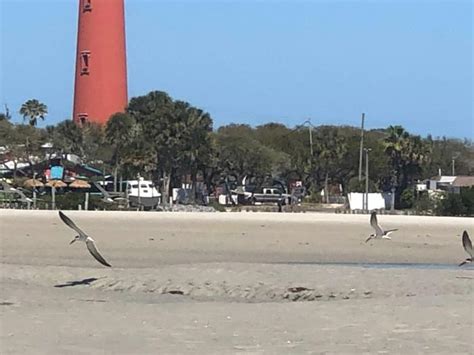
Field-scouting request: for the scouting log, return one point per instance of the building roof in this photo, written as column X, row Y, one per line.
column 463, row 181
column 445, row 179
column 80, row 169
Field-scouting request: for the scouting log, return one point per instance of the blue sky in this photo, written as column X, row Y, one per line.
column 400, row 62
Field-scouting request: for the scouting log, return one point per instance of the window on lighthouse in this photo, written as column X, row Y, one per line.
column 85, row 57
column 82, row 118
column 87, row 5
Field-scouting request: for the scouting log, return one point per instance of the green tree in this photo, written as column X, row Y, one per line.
column 86, row 141
column 446, row 152
column 32, row 110
column 139, row 156
column 6, row 129
column 67, row 137
column 274, row 135
column 407, row 154
column 359, row 186
column 467, row 197
column 119, row 133
column 5, row 116
column 452, row 205
column 395, row 146
column 177, row 134
column 239, row 153
column 407, row 198
column 196, row 126
column 329, row 151
column 24, row 146
column 96, row 148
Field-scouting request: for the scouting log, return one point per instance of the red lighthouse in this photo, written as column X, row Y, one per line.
column 101, row 68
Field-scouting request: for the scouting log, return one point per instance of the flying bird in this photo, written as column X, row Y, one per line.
column 10, row 189
column 106, row 196
column 379, row 232
column 466, row 243
column 83, row 237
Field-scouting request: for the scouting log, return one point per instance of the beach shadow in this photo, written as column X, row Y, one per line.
column 6, row 303
column 369, row 265
column 77, row 283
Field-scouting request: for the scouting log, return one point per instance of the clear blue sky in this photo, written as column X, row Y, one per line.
column 400, row 62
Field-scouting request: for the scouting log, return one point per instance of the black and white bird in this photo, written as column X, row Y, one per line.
column 379, row 232
column 466, row 243
column 83, row 237
column 106, row 196
column 10, row 189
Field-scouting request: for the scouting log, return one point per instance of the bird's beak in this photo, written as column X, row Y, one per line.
column 72, row 241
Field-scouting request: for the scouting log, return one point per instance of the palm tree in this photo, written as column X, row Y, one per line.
column 407, row 153
column 395, row 144
column 329, row 151
column 178, row 133
column 33, row 109
column 119, row 133
column 68, row 137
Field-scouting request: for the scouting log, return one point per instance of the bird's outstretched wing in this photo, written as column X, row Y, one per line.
column 71, row 224
column 104, row 193
column 7, row 187
column 95, row 253
column 375, row 224
column 391, row 230
column 466, row 243
column 101, row 189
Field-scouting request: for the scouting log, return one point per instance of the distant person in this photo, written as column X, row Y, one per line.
column 280, row 205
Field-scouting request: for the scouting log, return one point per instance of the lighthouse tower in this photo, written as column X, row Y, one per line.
column 101, row 67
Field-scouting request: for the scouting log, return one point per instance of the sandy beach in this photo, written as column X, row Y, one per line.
column 234, row 283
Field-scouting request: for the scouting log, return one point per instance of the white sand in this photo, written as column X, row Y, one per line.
column 233, row 283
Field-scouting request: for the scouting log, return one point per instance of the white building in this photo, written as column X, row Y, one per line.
column 446, row 183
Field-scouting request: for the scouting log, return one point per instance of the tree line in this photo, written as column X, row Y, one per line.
column 170, row 141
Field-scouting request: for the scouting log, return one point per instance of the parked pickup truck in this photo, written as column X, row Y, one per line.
column 270, row 195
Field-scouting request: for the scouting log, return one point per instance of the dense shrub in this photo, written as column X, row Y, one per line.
column 359, row 186
column 71, row 201
column 452, row 205
column 407, row 198
column 446, row 204
column 467, row 196
column 461, row 204
column 425, row 204
column 218, row 207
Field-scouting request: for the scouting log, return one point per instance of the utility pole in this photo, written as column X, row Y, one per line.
column 367, row 179
column 326, row 188
column 361, row 146
column 310, row 126
column 34, row 191
column 7, row 113
column 139, row 199
column 453, row 171
column 392, row 207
